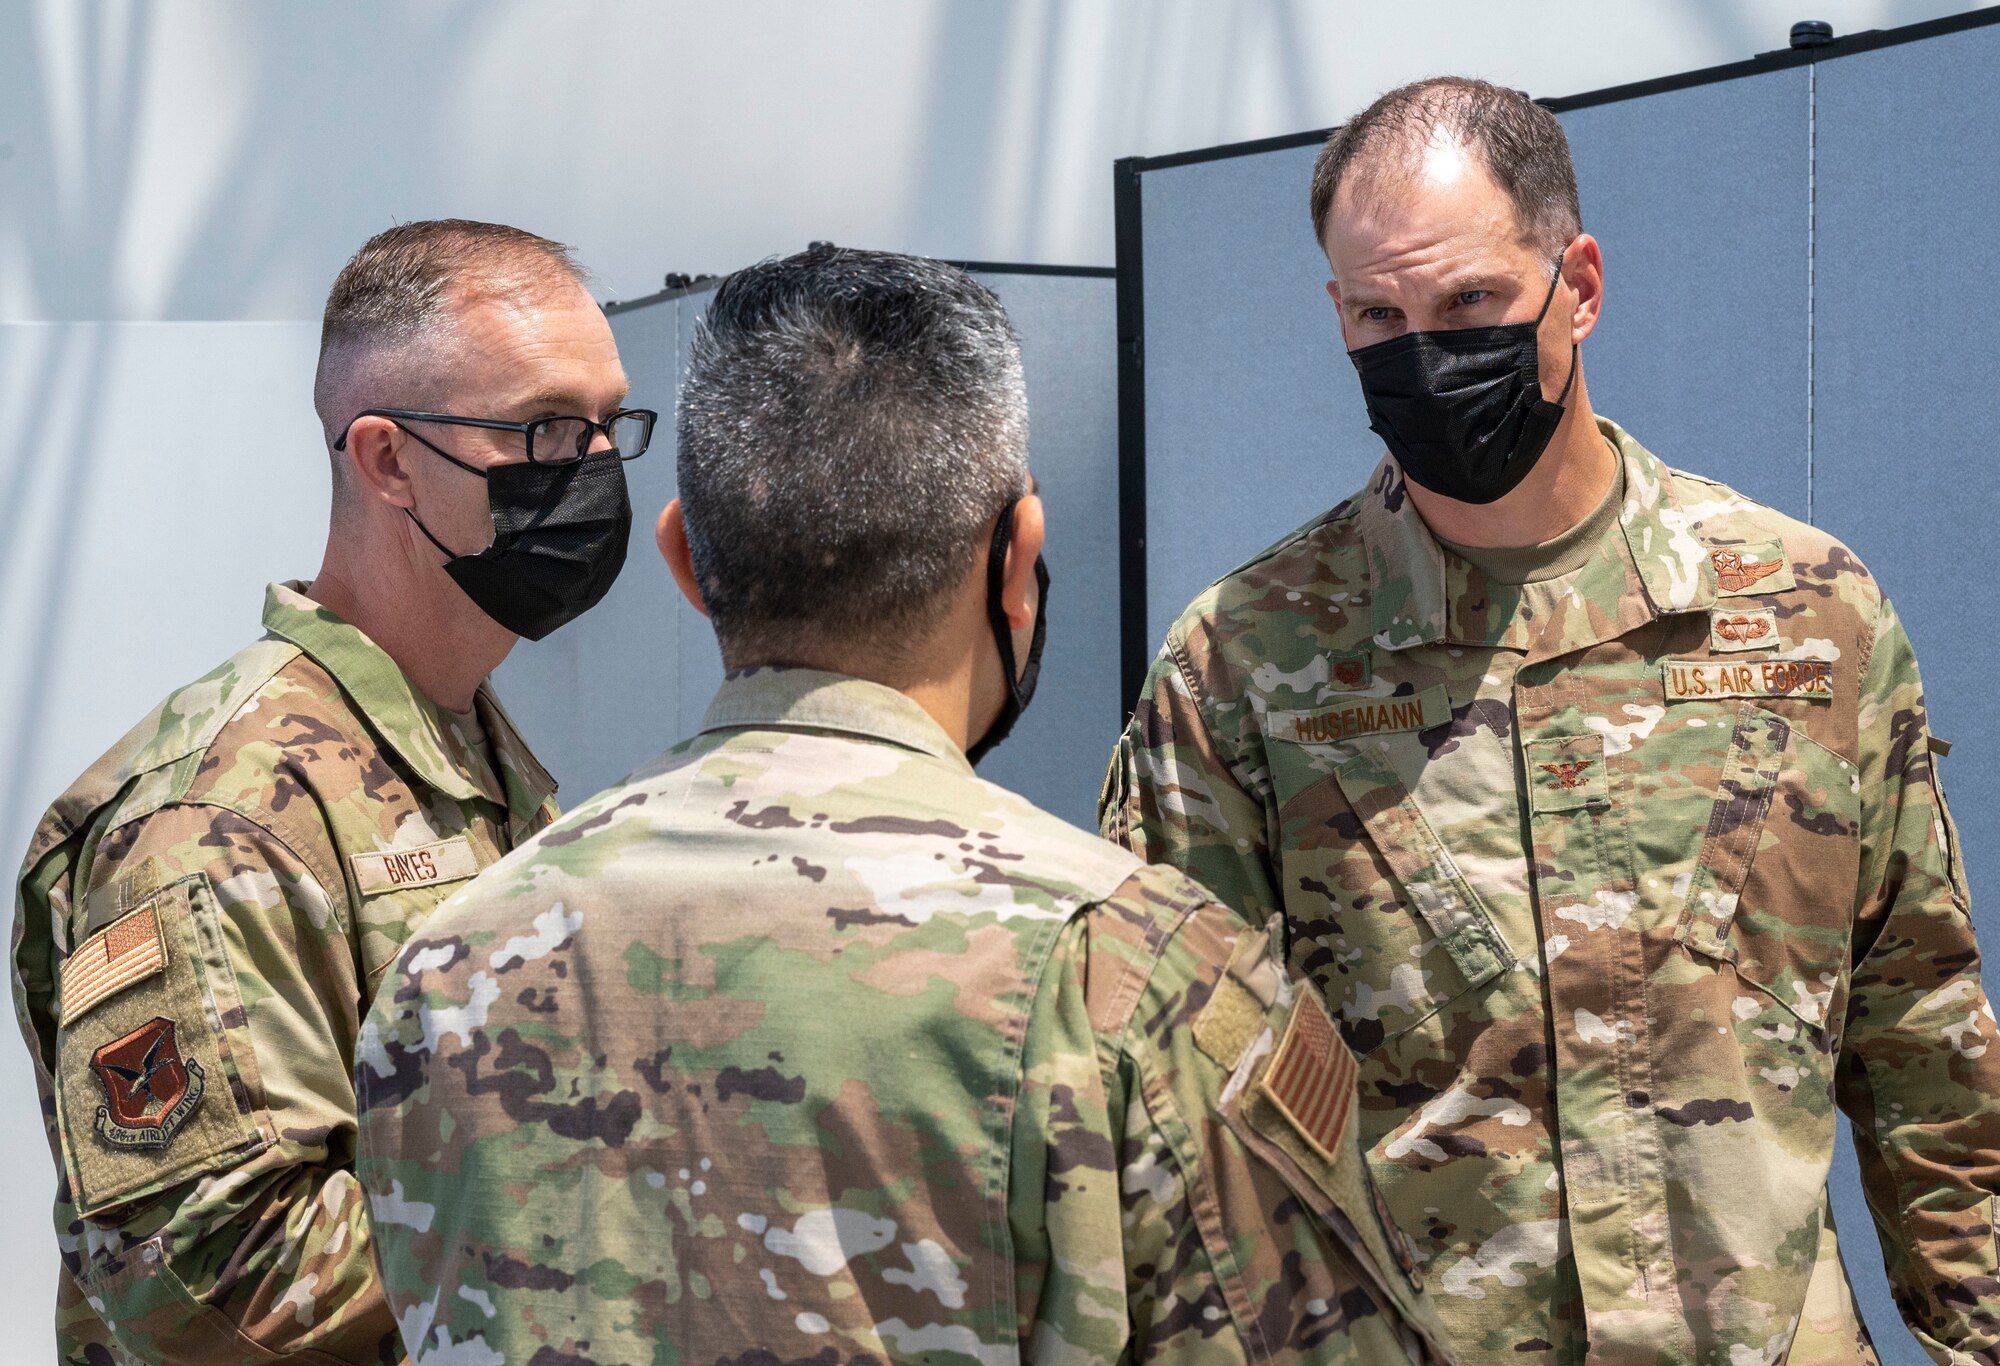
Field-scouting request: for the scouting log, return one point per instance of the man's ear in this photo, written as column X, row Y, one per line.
column 672, row 534
column 1018, row 593
column 376, row 467
column 1339, row 318
column 1583, row 268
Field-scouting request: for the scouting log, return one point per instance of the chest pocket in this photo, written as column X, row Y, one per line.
column 1390, row 928
column 1772, row 891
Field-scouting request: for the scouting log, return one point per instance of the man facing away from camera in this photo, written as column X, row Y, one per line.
column 1600, row 803
column 804, row 1044
column 204, row 915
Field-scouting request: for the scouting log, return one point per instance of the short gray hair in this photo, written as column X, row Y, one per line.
column 402, row 286
column 850, row 424
column 1520, row 143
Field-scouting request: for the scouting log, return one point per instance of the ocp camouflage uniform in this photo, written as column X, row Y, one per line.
column 202, row 919
column 1615, row 884
column 804, row 1044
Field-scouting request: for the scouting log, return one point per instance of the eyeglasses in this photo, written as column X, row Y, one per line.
column 548, row 440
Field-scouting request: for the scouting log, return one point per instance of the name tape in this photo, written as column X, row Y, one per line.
column 393, row 870
column 1361, row 717
column 1694, row 680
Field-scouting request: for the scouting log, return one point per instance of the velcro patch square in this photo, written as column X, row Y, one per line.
column 1311, row 1077
column 122, row 953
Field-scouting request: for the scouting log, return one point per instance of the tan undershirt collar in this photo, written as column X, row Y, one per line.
column 1566, row 554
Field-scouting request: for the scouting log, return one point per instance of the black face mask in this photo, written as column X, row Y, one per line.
column 1020, row 681
column 559, row 536
column 1462, row 411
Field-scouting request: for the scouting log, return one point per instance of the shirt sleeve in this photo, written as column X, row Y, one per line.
column 1919, row 1069
column 1175, row 795
column 1149, row 1223
column 209, row 1208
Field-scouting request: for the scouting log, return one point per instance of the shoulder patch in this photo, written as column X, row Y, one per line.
column 1311, row 1078
column 121, row 954
column 149, row 1088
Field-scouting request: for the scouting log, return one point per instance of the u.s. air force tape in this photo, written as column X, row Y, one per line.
column 1695, row 680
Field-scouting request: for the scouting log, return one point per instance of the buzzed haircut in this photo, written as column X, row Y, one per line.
column 403, row 284
column 850, row 424
column 1520, row 143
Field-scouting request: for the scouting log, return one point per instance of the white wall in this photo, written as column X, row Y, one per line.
column 180, row 181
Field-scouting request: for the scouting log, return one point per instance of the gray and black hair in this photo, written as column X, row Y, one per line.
column 1521, row 144
column 851, row 423
column 402, row 287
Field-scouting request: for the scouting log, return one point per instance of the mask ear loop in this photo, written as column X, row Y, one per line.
column 443, row 549
column 996, row 583
column 1548, row 299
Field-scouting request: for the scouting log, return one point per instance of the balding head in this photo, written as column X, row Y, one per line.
column 388, row 333
column 1512, row 138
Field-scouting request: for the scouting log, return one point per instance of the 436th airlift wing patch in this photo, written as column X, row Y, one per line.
column 149, row 1088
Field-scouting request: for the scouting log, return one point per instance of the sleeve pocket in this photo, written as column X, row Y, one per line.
column 148, row 1088
column 1294, row 1111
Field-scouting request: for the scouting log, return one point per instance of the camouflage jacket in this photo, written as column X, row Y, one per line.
column 201, row 920
column 1617, row 884
column 805, row 1044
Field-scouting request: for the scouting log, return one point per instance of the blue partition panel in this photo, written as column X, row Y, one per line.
column 1253, row 420
column 1906, row 412
column 606, row 693
column 1700, row 200
column 1069, row 348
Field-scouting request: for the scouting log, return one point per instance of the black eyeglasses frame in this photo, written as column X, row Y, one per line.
column 526, row 429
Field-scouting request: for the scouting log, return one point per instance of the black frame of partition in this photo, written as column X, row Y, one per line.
column 701, row 284
column 1135, row 648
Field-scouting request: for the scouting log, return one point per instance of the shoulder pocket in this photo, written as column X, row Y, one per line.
column 1294, row 1108
column 147, row 1087
column 1946, row 832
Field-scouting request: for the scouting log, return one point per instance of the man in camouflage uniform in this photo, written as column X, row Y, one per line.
column 204, row 915
column 806, row 1044
column 1620, row 859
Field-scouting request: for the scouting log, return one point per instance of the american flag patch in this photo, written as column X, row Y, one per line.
column 1311, row 1079
column 124, row 952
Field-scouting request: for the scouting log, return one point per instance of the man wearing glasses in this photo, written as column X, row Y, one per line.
column 204, row 915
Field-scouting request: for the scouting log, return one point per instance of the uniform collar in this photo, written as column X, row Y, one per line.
column 778, row 698
column 403, row 718
column 1415, row 599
